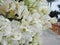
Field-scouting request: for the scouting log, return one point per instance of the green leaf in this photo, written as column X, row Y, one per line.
column 27, row 2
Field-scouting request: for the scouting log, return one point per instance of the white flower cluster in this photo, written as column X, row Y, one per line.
column 29, row 30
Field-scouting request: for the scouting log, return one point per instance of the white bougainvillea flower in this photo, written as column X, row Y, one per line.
column 22, row 23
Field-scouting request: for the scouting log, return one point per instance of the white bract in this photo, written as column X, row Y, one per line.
column 29, row 29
